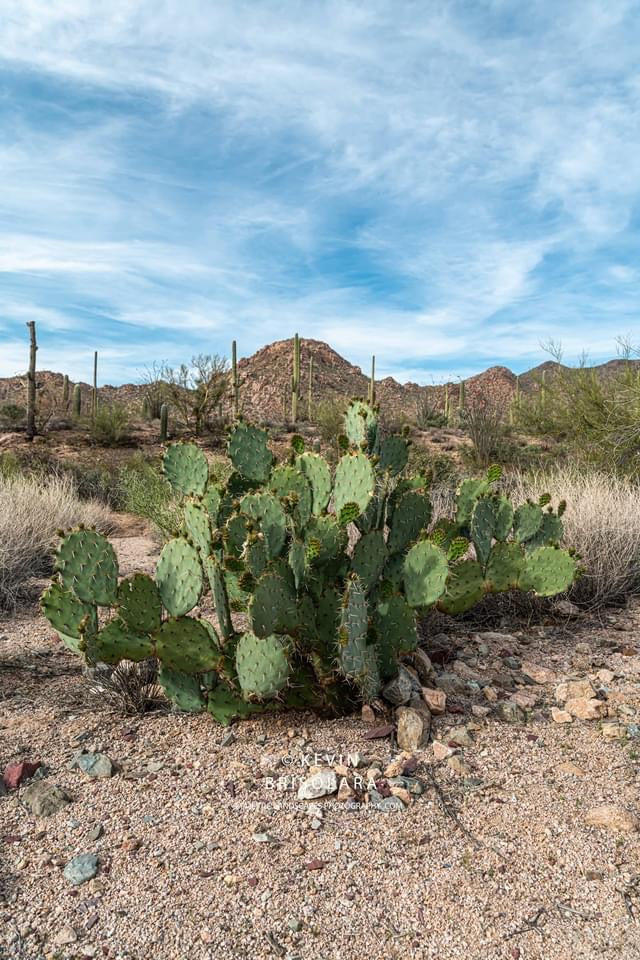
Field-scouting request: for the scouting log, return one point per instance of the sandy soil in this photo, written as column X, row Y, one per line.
column 496, row 862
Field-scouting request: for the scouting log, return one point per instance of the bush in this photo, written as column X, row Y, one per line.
column 110, row 425
column 11, row 414
column 144, row 492
column 90, row 483
column 483, row 424
column 428, row 416
column 31, row 511
column 602, row 522
column 329, row 419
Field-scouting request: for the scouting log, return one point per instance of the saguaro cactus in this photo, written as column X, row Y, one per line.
column 371, row 395
column 164, row 422
column 295, row 379
column 235, row 383
column 461, row 397
column 94, row 394
column 65, row 392
column 77, row 400
column 310, row 399
column 31, row 381
column 447, row 403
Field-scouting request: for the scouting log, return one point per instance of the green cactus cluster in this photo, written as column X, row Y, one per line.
column 327, row 571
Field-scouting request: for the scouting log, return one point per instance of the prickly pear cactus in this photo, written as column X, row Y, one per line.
column 329, row 571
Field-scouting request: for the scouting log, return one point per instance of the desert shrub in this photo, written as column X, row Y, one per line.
column 428, row 416
column 483, row 423
column 90, row 482
column 328, row 415
column 144, row 492
column 194, row 390
column 32, row 509
column 602, row 522
column 11, row 414
column 131, row 688
column 9, row 464
column 110, row 425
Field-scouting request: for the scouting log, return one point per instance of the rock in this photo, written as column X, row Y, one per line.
column 403, row 794
column 605, row 676
column 574, row 690
column 93, row 764
column 399, row 690
column 410, row 729
column 490, row 694
column 460, row 736
column 17, row 772
column 385, row 804
column 570, row 768
column 96, row 831
column 421, row 663
column 294, row 925
column 264, row 838
column 64, row 937
column 537, row 673
column 319, row 785
column 450, row 683
column 585, row 709
column 3, row 789
column 512, row 663
column 459, row 767
column 479, row 711
column 441, row 751
column 43, row 799
column 560, row 716
column 228, row 739
column 345, row 792
column 510, row 712
column 614, row 731
column 397, row 765
column 367, row 714
column 566, row 608
column 436, row 700
column 414, row 786
column 609, row 816
column 491, row 636
column 462, row 669
column 81, row 868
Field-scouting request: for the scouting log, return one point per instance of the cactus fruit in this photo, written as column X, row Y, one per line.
column 330, row 572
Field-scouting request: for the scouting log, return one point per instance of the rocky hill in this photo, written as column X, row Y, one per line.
column 266, row 384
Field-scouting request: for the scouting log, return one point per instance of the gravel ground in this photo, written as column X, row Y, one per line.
column 494, row 862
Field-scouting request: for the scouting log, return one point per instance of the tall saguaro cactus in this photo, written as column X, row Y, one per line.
column 94, row 394
column 77, row 400
column 461, row 398
column 235, row 383
column 164, row 423
column 295, row 379
column 447, row 403
column 310, row 395
column 31, row 381
column 371, row 395
column 65, row 392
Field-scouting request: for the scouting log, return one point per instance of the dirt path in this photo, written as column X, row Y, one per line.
column 495, row 860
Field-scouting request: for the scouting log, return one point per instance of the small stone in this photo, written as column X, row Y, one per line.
column 566, row 608
column 560, row 716
column 614, row 731
column 294, row 925
column 584, row 709
column 206, row 936
column 261, row 739
column 573, row 690
column 512, row 663
column 436, row 700
column 490, row 693
column 397, row 765
column 460, row 736
column 315, row 823
column 594, row 875
column 479, row 711
column 228, row 739
column 441, row 751
column 367, row 714
column 345, row 792
column 605, row 676
column 43, row 799
column 16, row 773
column 96, row 831
column 572, row 769
column 459, row 767
column 537, row 673
column 510, row 712
column 389, row 804
column 526, row 701
column 64, row 937
column 399, row 690
column 231, row 880
column 319, row 785
column 403, row 794
column 462, row 669
column 410, row 729
column 93, row 764
column 610, row 816
column 81, row 868
column 264, row 838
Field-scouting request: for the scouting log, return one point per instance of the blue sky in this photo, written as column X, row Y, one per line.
column 444, row 184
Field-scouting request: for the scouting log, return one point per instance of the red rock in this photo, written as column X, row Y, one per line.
column 378, row 733
column 253, row 881
column 314, row 864
column 16, row 773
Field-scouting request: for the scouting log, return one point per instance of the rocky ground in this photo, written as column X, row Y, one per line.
column 507, row 827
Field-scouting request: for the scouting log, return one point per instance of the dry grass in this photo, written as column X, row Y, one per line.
column 602, row 522
column 31, row 511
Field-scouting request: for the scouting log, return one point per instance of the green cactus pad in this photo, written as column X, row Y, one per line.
column 186, row 468
column 66, row 614
column 88, row 565
column 354, row 482
column 117, row 642
column 290, row 482
column 249, row 452
column 139, row 604
column 298, row 562
column 358, row 661
column 504, row 567
column 234, row 534
column 369, row 557
column 328, row 539
column 527, row 521
column 225, row 706
column 198, row 526
column 262, row 666
column 425, row 573
column 186, row 645
column 466, row 495
column 551, row 532
column 395, row 624
column 179, row 576
column 272, row 608
column 465, row 586
column 411, row 515
column 183, row 689
column 211, row 502
column 360, row 422
column 316, row 469
column 548, row 571
column 255, row 557
column 394, row 454
column 220, row 596
column 266, row 509
column 491, row 519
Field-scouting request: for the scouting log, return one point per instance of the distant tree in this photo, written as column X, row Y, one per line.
column 196, row 389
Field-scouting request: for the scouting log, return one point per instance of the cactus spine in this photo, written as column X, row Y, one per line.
column 295, row 379
column 310, row 398
column 94, row 394
column 77, row 400
column 235, row 383
column 164, row 423
column 31, row 381
column 371, row 396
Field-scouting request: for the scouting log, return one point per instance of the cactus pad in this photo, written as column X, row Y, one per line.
column 87, row 564
column 548, row 571
column 289, row 483
column 117, row 642
column 211, row 502
column 183, row 689
column 262, row 666
column 273, row 606
column 220, row 597
column 491, row 519
column 139, row 604
column 187, row 646
column 179, row 576
column 67, row 615
column 266, row 509
column 249, row 452
column 411, row 515
column 395, row 623
column 369, row 558
column 466, row 495
column 354, row 482
column 527, row 521
column 394, row 454
column 360, row 422
column 425, row 573
column 464, row 588
column 186, row 468
column 198, row 527
column 504, row 567
column 316, row 470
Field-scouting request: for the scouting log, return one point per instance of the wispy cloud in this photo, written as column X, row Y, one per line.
column 444, row 185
